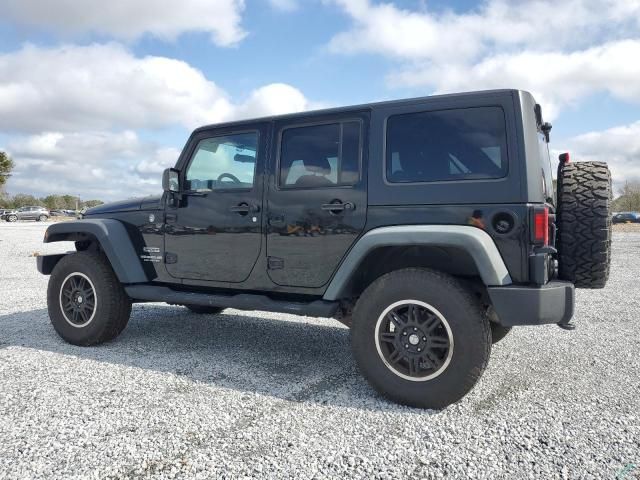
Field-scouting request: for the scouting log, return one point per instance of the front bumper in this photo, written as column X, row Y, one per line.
column 533, row 305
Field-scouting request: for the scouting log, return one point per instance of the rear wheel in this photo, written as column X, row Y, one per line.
column 12, row 218
column 420, row 338
column 584, row 223
column 42, row 218
column 87, row 304
column 201, row 309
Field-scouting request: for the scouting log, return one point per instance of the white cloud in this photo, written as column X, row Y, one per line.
column 284, row 5
column 72, row 113
column 273, row 99
column 556, row 79
column 384, row 28
column 618, row 146
column 103, row 165
column 557, row 50
column 128, row 20
column 102, row 87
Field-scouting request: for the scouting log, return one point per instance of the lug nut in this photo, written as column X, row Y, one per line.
column 424, row 339
column 419, row 350
column 415, row 329
column 406, row 345
column 404, row 333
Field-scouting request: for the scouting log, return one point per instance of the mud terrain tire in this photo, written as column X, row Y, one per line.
column 584, row 223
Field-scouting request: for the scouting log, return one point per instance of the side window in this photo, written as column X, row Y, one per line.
column 320, row 155
column 459, row 144
column 223, row 162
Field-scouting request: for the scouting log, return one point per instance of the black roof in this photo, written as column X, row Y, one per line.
column 351, row 108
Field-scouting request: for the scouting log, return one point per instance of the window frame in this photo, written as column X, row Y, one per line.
column 340, row 121
column 385, row 147
column 194, row 150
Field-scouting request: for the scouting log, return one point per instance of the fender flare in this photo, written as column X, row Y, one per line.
column 114, row 241
column 475, row 241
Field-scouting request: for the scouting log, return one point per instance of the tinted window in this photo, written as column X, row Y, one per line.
column 223, row 162
column 320, row 155
column 446, row 145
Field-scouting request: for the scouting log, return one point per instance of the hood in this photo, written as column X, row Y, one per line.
column 131, row 205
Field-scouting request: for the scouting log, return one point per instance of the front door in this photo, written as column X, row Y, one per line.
column 213, row 230
column 317, row 201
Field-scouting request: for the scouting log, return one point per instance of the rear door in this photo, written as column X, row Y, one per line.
column 317, row 200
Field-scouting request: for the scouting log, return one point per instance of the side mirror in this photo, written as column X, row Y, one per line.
column 171, row 180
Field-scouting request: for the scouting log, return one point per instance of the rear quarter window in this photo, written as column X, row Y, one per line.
column 446, row 145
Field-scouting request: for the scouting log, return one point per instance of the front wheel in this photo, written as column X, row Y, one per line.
column 87, row 304
column 12, row 218
column 420, row 338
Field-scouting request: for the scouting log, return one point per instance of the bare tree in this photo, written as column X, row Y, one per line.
column 629, row 199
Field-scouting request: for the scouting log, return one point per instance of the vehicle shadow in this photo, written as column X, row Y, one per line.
column 287, row 359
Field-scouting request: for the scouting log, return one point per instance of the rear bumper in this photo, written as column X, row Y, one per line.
column 538, row 305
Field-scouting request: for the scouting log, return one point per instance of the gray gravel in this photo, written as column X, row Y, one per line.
column 276, row 396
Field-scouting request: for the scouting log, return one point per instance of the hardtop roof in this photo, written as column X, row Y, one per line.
column 364, row 106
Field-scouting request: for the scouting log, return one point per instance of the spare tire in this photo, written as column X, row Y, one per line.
column 584, row 223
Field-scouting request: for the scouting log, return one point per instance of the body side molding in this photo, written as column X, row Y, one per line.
column 475, row 241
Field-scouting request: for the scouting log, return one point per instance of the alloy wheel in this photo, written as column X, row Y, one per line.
column 414, row 340
column 78, row 299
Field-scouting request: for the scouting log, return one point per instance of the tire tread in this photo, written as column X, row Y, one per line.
column 584, row 223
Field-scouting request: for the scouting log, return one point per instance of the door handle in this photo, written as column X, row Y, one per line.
column 338, row 207
column 244, row 208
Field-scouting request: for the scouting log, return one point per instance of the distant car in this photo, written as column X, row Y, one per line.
column 626, row 217
column 39, row 214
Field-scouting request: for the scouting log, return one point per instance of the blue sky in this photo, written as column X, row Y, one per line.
column 116, row 89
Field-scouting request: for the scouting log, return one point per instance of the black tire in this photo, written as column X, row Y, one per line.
column 498, row 332
column 42, row 218
column 468, row 329
column 204, row 310
column 12, row 218
column 584, row 223
column 111, row 305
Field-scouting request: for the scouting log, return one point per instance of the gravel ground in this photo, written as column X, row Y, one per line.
column 275, row 396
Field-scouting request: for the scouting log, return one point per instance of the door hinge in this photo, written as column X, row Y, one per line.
column 170, row 257
column 275, row 263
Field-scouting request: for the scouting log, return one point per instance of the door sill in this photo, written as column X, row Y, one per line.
column 240, row 301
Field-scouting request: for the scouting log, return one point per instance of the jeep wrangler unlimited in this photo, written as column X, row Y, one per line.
column 429, row 226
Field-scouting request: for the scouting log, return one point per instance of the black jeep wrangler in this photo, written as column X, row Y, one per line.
column 429, row 226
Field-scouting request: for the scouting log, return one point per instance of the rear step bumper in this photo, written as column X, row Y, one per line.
column 240, row 301
column 533, row 305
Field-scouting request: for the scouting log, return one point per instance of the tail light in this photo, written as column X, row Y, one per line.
column 540, row 227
